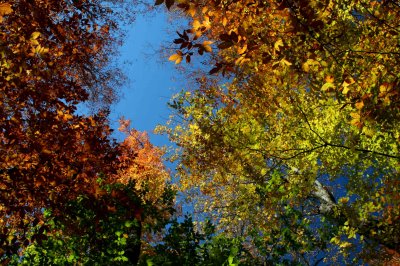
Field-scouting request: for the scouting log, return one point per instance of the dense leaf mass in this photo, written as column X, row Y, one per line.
column 289, row 141
column 55, row 57
column 299, row 149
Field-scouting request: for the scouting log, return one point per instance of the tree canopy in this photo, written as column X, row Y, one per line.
column 67, row 188
column 287, row 140
column 292, row 140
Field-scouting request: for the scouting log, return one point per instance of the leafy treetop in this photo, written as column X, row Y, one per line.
column 299, row 150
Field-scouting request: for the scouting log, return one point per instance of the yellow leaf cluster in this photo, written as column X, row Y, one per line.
column 177, row 58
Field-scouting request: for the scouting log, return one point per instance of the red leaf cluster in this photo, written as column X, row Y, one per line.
column 53, row 56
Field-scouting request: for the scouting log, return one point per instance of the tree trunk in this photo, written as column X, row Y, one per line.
column 384, row 234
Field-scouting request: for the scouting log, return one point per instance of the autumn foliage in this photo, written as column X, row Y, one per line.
column 291, row 138
column 56, row 55
column 142, row 163
column 288, row 139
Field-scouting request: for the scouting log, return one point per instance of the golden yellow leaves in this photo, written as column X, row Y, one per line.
column 224, row 21
column 179, row 55
column 65, row 117
column 278, row 44
column 242, row 50
column 344, row 200
column 5, row 9
column 36, row 47
column 346, row 83
column 196, row 24
column 201, row 26
column 177, row 58
column 324, row 13
column 310, row 64
column 356, row 120
column 207, row 46
column 347, row 230
column 327, row 86
column 206, row 23
column 282, row 63
column 191, row 10
column 35, row 35
column 385, row 92
column 329, row 83
column 40, row 50
column 359, row 105
column 339, row 112
column 241, row 60
column 329, row 78
column 385, row 88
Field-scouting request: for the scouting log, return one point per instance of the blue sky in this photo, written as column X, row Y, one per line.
column 151, row 80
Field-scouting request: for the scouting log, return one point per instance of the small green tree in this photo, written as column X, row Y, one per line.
column 105, row 230
column 187, row 244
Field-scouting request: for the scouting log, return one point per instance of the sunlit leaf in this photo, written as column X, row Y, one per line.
column 177, row 58
column 35, row 35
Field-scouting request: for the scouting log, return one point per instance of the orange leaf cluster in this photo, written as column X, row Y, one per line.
column 141, row 162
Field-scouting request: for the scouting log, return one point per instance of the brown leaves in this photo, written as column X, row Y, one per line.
column 50, row 154
column 168, row 3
